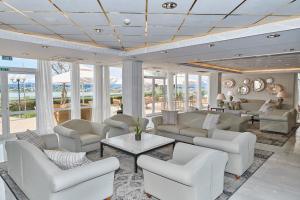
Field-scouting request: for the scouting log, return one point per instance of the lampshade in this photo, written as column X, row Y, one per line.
column 230, row 93
column 282, row 94
column 221, row 96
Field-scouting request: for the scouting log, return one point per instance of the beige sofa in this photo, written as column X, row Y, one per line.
column 189, row 125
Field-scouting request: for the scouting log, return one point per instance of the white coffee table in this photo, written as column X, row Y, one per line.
column 128, row 144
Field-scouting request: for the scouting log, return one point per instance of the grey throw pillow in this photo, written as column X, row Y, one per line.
column 169, row 117
column 211, row 121
column 32, row 138
column 67, row 160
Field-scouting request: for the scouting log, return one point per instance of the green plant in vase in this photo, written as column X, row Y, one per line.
column 138, row 130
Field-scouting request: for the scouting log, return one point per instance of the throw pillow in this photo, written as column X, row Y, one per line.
column 169, row 117
column 32, row 138
column 67, row 160
column 266, row 107
column 211, row 121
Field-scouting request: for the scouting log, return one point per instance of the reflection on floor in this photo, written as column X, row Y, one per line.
column 277, row 179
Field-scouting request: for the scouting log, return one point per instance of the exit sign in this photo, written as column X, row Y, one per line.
column 7, row 58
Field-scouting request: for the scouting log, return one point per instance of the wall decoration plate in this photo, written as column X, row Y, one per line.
column 269, row 80
column 258, row 85
column 274, row 88
column 229, row 83
column 243, row 90
column 246, row 81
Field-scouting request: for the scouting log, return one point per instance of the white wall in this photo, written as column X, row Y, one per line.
column 287, row 80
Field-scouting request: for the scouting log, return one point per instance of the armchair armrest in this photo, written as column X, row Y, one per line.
column 158, row 120
column 166, row 169
column 116, row 124
column 68, row 178
column 99, row 129
column 50, row 140
column 61, row 130
column 221, row 145
column 275, row 117
column 223, row 126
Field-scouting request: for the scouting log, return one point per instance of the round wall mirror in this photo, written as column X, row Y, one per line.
column 243, row 90
column 246, row 81
column 258, row 85
column 229, row 83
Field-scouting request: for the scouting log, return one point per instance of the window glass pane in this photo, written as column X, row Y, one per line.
column 192, row 88
column 115, row 90
column 148, row 95
column 61, row 78
column 86, row 91
column 159, row 95
column 18, row 62
column 204, row 90
column 179, row 92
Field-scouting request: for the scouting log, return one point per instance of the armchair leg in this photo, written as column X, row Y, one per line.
column 237, row 177
column 148, row 195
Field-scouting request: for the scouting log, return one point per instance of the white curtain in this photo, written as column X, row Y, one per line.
column 186, row 92
column 44, row 100
column 170, row 90
column 106, row 93
column 97, row 113
column 75, row 92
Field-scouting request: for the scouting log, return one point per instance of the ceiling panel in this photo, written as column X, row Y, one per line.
column 271, row 19
column 193, row 30
column 50, row 18
column 79, row 37
column 14, row 18
column 136, row 19
column 215, row 6
column 129, row 6
column 159, row 38
column 32, row 29
column 103, row 37
column 133, row 44
column 4, row 7
column 78, row 5
column 133, row 38
column 104, row 30
column 203, row 20
column 290, row 9
column 165, row 19
column 5, row 27
column 259, row 7
column 162, row 30
column 65, row 29
column 238, row 21
column 155, row 6
column 31, row 5
column 89, row 19
column 129, row 30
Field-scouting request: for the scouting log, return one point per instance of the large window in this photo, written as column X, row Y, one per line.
column 61, row 78
column 179, row 81
column 204, row 90
column 192, row 90
column 86, row 91
column 115, row 90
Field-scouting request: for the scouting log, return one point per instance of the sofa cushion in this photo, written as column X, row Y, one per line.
column 67, row 160
column 32, row 138
column 194, row 132
column 169, row 117
column 89, row 139
column 211, row 121
column 192, row 119
column 170, row 128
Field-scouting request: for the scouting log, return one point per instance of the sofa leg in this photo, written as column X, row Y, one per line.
column 148, row 195
column 108, row 198
column 237, row 177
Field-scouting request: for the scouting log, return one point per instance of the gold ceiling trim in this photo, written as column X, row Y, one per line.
column 72, row 21
column 234, row 9
column 291, row 69
column 146, row 22
column 213, row 67
column 110, row 24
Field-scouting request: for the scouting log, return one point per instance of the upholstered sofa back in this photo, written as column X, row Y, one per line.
column 79, row 125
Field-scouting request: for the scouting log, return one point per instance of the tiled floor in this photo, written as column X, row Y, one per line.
column 277, row 179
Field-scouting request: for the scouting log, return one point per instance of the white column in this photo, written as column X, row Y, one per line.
column 97, row 112
column 199, row 93
column 186, row 92
column 132, row 84
column 44, row 100
column 106, row 93
column 170, row 90
column 214, row 88
column 75, row 92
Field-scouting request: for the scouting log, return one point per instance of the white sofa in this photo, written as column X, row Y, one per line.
column 41, row 179
column 239, row 146
column 194, row 173
column 122, row 124
column 80, row 135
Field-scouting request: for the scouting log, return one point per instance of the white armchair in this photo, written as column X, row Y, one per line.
column 80, row 135
column 239, row 146
column 39, row 178
column 122, row 124
column 194, row 173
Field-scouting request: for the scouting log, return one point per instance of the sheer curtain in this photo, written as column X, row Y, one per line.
column 97, row 112
column 44, row 100
column 75, row 92
column 106, row 93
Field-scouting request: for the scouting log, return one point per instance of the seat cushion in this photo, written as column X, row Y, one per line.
column 194, row 132
column 89, row 138
column 170, row 128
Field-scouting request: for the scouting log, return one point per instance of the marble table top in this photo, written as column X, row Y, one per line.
column 128, row 143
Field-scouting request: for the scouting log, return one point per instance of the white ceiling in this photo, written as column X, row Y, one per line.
column 76, row 20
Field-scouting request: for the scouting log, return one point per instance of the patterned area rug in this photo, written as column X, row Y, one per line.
column 129, row 185
column 271, row 138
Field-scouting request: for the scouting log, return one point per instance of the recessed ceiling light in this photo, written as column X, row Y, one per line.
column 169, row 5
column 273, row 35
column 239, row 54
column 45, row 46
column 164, row 51
column 98, row 30
column 211, row 45
column 127, row 21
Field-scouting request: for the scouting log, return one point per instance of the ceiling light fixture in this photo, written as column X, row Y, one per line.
column 98, row 30
column 45, row 46
column 164, row 51
column 273, row 35
column 127, row 21
column 169, row 5
column 239, row 54
column 211, row 45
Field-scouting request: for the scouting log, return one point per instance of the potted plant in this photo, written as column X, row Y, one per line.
column 138, row 130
